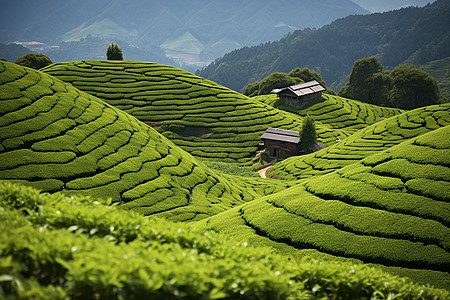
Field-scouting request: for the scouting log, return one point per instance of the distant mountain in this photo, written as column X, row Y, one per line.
column 191, row 31
column 410, row 35
column 385, row 5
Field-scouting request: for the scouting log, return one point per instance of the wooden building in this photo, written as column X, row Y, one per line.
column 281, row 143
column 299, row 94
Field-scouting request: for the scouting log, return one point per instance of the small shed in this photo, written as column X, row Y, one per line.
column 281, row 143
column 299, row 94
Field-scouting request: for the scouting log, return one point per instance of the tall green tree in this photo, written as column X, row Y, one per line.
column 308, row 135
column 276, row 80
column 34, row 60
column 114, row 52
column 367, row 82
column 412, row 87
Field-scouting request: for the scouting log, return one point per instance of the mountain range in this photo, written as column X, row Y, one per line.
column 410, row 35
column 191, row 32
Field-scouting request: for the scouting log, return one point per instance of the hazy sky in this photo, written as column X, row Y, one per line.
column 385, row 5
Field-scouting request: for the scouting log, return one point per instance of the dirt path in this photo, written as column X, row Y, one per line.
column 262, row 172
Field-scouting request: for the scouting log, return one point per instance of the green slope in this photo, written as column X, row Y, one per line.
column 365, row 142
column 391, row 209
column 57, row 247
column 202, row 117
column 337, row 112
column 54, row 137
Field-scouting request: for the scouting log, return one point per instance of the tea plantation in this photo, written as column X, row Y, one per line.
column 203, row 118
column 88, row 192
column 54, row 137
column 337, row 112
column 390, row 209
column 368, row 141
column 59, row 247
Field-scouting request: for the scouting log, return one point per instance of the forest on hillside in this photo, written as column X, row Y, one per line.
column 407, row 36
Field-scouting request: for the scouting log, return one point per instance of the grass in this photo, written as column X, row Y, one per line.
column 60, row 247
column 390, row 209
column 57, row 138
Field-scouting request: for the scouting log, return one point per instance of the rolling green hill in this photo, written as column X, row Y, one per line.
column 59, row 247
column 390, row 209
column 368, row 141
column 336, row 112
column 203, row 118
column 55, row 137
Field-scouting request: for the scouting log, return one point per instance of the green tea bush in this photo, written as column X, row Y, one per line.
column 55, row 246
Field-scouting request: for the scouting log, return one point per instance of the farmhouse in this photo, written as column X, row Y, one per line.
column 299, row 94
column 281, row 143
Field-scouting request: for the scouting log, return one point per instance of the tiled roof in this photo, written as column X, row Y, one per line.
column 276, row 134
column 302, row 89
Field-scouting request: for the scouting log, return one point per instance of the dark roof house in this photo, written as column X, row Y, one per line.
column 281, row 143
column 299, row 94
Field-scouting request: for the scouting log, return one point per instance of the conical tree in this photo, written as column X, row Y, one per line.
column 114, row 52
column 308, row 136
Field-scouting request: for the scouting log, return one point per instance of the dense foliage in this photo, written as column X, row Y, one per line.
column 281, row 80
column 114, row 52
column 407, row 36
column 404, row 87
column 34, row 60
column 308, row 136
column 60, row 247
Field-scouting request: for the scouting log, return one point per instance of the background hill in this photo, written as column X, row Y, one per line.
column 410, row 35
column 55, row 137
column 193, row 32
column 202, row 117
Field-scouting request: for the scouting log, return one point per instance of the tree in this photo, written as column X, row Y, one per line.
column 276, row 80
column 365, row 81
column 404, row 87
column 308, row 135
column 114, row 52
column 34, row 60
column 412, row 88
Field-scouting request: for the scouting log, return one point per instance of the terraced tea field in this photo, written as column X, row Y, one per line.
column 337, row 112
column 390, row 209
column 203, row 118
column 55, row 137
column 375, row 138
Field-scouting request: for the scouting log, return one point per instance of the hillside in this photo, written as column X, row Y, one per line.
column 55, row 137
column 58, row 247
column 365, row 142
column 390, row 209
column 440, row 70
column 203, row 118
column 410, row 35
